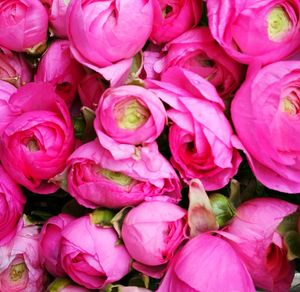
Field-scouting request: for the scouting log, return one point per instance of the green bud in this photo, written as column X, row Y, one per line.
column 102, row 217
column 58, row 284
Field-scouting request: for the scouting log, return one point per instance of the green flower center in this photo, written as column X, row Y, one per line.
column 290, row 106
column 117, row 177
column 16, row 271
column 278, row 23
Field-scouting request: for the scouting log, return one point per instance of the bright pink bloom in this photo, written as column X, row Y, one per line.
column 59, row 68
column 37, row 142
column 172, row 18
column 200, row 136
column 50, row 241
column 20, row 268
column 264, row 31
column 107, row 34
column 91, row 256
column 258, row 243
column 197, row 51
column 266, row 116
column 14, row 68
column 57, row 17
column 23, row 24
column 152, row 232
column 206, row 263
column 12, row 203
column 127, row 116
column 95, row 178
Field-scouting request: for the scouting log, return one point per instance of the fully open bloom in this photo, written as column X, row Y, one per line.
column 95, row 178
column 37, row 142
column 259, row 245
column 12, row 203
column 264, row 31
column 103, row 33
column 206, row 263
column 50, row 241
column 200, row 136
column 59, row 68
column 152, row 232
column 266, row 116
column 126, row 116
column 197, row 51
column 172, row 18
column 91, row 256
column 20, row 268
column 23, row 24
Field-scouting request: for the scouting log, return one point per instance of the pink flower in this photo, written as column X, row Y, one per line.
column 206, row 263
column 265, row 113
column 95, row 178
column 264, row 31
column 23, row 24
column 127, row 116
column 200, row 136
column 259, row 245
column 172, row 18
column 14, row 68
column 58, row 67
column 152, row 232
column 37, row 142
column 120, row 27
column 197, row 51
column 95, row 259
column 20, row 268
column 50, row 241
column 57, row 17
column 12, row 203
column 90, row 89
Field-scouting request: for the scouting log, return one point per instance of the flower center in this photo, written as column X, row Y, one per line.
column 16, row 271
column 278, row 23
column 32, row 145
column 166, row 11
column 290, row 105
column 117, row 177
column 131, row 114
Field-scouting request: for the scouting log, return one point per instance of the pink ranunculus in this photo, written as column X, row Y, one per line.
column 266, row 116
column 14, row 68
column 200, row 136
column 206, row 263
column 258, row 243
column 127, row 116
column 91, row 255
column 197, row 51
column 264, row 31
column 57, row 17
column 95, row 178
column 35, row 145
column 120, row 27
column 58, row 67
column 12, row 203
column 49, row 243
column 172, row 18
column 20, row 268
column 152, row 232
column 90, row 89
column 23, row 24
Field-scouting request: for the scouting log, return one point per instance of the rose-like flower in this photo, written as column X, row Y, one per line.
column 90, row 90
column 200, row 136
column 20, row 268
column 23, row 24
column 57, row 17
column 14, row 68
column 172, row 18
column 49, row 243
column 266, row 112
column 35, row 145
column 95, row 178
column 264, row 31
column 59, row 68
column 152, row 233
column 120, row 27
column 95, row 259
column 127, row 116
column 197, row 51
column 206, row 263
column 259, row 245
column 12, row 203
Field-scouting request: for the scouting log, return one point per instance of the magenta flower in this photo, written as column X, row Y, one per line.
column 57, row 17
